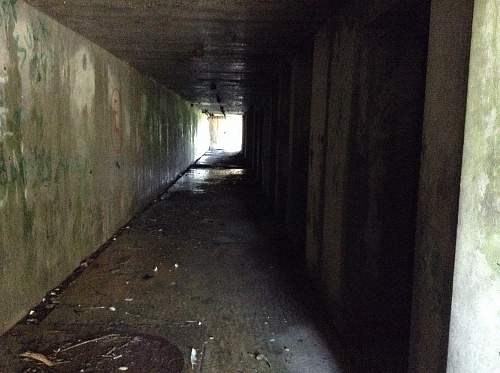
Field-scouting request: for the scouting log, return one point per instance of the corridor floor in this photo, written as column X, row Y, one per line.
column 201, row 271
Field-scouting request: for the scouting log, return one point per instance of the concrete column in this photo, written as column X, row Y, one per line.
column 255, row 139
column 258, row 141
column 444, row 118
column 244, row 139
column 317, row 149
column 298, row 153
column 375, row 112
column 249, row 118
column 474, row 342
column 274, row 118
column 266, row 160
column 214, row 132
column 282, row 146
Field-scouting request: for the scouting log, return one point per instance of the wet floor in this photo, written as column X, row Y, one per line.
column 199, row 282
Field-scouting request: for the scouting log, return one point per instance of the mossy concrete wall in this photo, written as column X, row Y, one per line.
column 474, row 342
column 85, row 142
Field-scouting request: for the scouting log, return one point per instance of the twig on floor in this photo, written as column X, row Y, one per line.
column 202, row 355
column 108, row 354
column 89, row 341
column 38, row 357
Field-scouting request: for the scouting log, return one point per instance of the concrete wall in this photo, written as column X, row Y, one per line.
column 444, row 120
column 317, row 140
column 282, row 141
column 347, row 162
column 298, row 146
column 387, row 114
column 475, row 318
column 85, row 142
column 366, row 142
column 276, row 144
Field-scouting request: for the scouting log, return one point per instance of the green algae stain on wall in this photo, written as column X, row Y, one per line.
column 475, row 318
column 481, row 155
column 81, row 151
column 12, row 117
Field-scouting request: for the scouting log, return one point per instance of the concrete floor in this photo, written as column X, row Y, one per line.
column 202, row 268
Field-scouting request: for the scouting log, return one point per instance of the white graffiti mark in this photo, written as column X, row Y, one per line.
column 83, row 84
column 3, row 110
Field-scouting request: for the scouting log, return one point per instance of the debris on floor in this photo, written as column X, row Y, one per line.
column 261, row 357
column 108, row 353
column 210, row 293
column 194, row 358
column 38, row 357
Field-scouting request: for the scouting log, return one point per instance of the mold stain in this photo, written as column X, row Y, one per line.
column 3, row 110
column 116, row 126
column 41, row 57
column 7, row 13
column 61, row 116
column 14, row 180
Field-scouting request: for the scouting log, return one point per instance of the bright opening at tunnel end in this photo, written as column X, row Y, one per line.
column 226, row 133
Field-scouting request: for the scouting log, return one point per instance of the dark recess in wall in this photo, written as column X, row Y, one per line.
column 382, row 185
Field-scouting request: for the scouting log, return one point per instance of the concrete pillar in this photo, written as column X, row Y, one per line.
column 259, row 125
column 244, row 138
column 444, row 118
column 317, row 150
column 214, row 132
column 250, row 125
column 474, row 341
column 371, row 166
column 298, row 153
column 274, row 119
column 267, row 159
column 282, row 143
column 255, row 139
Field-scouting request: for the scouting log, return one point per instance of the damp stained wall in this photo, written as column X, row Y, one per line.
column 347, row 115
column 298, row 145
column 317, row 136
column 439, row 185
column 85, row 142
column 474, row 342
column 369, row 74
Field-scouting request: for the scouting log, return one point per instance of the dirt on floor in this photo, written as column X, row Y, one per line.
column 202, row 281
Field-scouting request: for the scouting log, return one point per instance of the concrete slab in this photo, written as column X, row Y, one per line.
column 203, row 270
column 201, row 49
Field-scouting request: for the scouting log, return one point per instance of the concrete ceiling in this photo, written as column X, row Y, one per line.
column 206, row 50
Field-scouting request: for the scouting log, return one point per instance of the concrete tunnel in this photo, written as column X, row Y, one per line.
column 249, row 186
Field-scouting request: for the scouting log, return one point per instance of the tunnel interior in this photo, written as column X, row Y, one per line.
column 275, row 186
